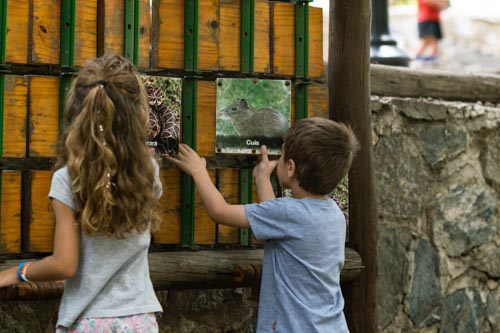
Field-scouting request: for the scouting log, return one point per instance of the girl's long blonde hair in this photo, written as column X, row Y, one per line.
column 104, row 148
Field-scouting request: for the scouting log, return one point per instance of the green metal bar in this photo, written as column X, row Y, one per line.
column 67, row 33
column 136, row 32
column 3, row 29
column 189, row 91
column 246, row 194
column 64, row 85
column 301, row 58
column 128, row 45
column 247, row 35
column 191, row 35
column 189, row 97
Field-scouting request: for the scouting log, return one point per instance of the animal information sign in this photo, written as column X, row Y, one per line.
column 251, row 113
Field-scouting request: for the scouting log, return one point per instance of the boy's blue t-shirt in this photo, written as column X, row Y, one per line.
column 303, row 257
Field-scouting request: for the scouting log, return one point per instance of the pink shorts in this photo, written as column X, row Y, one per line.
column 140, row 323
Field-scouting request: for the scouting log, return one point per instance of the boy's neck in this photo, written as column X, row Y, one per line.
column 299, row 193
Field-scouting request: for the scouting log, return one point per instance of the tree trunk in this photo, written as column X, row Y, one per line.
column 349, row 102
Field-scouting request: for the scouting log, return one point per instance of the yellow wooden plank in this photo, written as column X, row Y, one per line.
column 204, row 227
column 284, row 39
column 114, row 16
column 261, row 37
column 170, row 231
column 171, row 34
column 228, row 186
column 315, row 42
column 85, row 31
column 44, row 115
column 229, row 36
column 144, row 41
column 42, row 218
column 205, row 137
column 46, row 31
column 16, row 45
column 318, row 100
column 208, row 35
column 10, row 214
column 15, row 109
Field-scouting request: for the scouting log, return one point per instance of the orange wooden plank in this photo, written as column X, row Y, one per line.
column 318, row 100
column 85, row 31
column 171, row 34
column 15, row 110
column 315, row 42
column 10, row 214
column 261, row 37
column 114, row 16
column 208, row 35
column 170, row 231
column 204, row 227
column 16, row 41
column 144, row 40
column 284, row 39
column 42, row 218
column 229, row 187
column 229, row 36
column 205, row 137
column 46, row 31
column 44, row 114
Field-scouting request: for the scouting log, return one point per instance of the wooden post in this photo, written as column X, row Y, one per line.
column 349, row 102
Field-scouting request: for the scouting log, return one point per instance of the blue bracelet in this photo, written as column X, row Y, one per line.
column 19, row 270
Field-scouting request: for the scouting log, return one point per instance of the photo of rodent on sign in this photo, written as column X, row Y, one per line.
column 251, row 113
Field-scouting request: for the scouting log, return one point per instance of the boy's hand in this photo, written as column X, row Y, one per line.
column 265, row 167
column 188, row 160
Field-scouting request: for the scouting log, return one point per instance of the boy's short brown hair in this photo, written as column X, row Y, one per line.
column 322, row 151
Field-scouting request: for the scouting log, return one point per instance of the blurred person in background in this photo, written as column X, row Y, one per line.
column 429, row 28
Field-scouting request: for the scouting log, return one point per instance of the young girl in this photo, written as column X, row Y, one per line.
column 105, row 196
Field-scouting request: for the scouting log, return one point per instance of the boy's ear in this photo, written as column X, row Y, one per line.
column 290, row 168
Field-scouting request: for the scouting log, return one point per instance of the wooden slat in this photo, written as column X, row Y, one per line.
column 205, row 138
column 44, row 115
column 204, row 226
column 144, row 34
column 46, row 31
column 85, row 31
column 114, row 16
column 261, row 37
column 315, row 42
column 171, row 34
column 170, row 231
column 10, row 215
column 17, row 32
column 15, row 109
column 208, row 35
column 318, row 100
column 284, row 39
column 229, row 36
column 42, row 218
column 228, row 186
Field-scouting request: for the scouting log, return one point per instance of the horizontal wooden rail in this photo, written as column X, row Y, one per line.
column 405, row 82
column 185, row 270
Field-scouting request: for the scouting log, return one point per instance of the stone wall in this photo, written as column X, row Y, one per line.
column 437, row 170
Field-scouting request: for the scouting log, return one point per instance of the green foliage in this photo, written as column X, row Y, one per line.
column 341, row 193
column 273, row 94
column 402, row 2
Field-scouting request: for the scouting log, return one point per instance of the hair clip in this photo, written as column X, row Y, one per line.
column 101, row 129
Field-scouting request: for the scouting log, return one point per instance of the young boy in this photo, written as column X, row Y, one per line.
column 304, row 235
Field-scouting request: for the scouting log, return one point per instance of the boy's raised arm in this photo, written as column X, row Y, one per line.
column 262, row 175
column 218, row 209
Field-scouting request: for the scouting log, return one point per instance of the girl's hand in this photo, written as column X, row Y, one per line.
column 265, row 167
column 188, row 160
column 8, row 277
